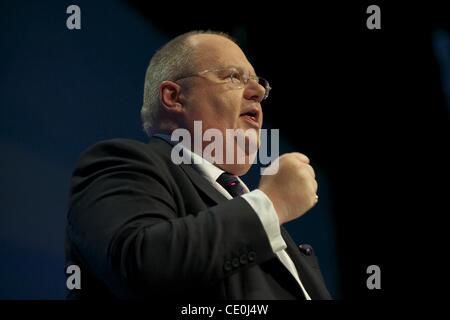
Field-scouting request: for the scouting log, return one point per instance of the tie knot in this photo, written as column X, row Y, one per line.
column 231, row 183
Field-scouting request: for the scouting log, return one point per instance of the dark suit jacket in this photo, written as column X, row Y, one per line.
column 140, row 226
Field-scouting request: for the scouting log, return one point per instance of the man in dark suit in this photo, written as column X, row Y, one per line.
column 141, row 225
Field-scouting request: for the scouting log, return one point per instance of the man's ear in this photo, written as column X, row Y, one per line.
column 169, row 95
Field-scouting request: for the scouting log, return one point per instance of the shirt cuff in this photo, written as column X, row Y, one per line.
column 265, row 210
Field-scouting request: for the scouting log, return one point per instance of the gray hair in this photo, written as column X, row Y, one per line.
column 174, row 60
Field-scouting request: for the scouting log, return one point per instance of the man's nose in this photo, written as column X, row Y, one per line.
column 254, row 91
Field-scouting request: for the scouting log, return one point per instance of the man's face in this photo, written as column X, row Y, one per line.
column 214, row 100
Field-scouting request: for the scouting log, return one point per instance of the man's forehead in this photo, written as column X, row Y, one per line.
column 218, row 51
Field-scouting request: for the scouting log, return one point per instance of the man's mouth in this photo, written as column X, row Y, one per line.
column 252, row 117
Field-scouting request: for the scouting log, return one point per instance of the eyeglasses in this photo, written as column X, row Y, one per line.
column 238, row 78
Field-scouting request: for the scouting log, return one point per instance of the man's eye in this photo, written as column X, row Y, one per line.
column 235, row 76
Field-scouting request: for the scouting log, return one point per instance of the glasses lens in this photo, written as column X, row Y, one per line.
column 235, row 76
column 263, row 82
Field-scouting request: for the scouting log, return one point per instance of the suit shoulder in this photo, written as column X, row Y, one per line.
column 124, row 149
column 105, row 158
column 121, row 154
column 112, row 146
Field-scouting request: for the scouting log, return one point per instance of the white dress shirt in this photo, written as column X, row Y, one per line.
column 257, row 199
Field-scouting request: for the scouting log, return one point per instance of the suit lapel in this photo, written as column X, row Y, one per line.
column 309, row 274
column 197, row 179
column 202, row 184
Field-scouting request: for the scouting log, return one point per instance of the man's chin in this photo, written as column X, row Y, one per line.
column 249, row 143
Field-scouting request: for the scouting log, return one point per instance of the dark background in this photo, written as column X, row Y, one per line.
column 369, row 107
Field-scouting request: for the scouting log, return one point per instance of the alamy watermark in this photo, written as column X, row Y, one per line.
column 236, row 146
column 374, row 20
column 74, row 20
column 374, row 280
column 73, row 280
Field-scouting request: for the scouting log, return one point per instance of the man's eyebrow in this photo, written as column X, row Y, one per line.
column 242, row 70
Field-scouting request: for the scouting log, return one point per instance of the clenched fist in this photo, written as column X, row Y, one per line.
column 293, row 188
